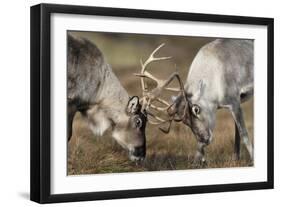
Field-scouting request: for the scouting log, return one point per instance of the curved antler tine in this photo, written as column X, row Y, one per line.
column 166, row 131
column 160, row 121
column 154, row 51
column 157, row 117
column 157, row 48
column 158, row 108
column 149, row 97
column 152, row 58
column 140, row 75
column 144, row 74
column 147, row 75
column 163, row 101
column 173, row 89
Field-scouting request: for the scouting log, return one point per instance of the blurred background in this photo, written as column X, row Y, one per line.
column 89, row 154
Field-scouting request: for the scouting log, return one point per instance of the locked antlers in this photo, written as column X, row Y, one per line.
column 149, row 97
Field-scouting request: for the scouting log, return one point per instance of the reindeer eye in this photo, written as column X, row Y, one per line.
column 138, row 122
column 196, row 110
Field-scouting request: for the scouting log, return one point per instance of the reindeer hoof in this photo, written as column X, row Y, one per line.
column 200, row 160
column 235, row 157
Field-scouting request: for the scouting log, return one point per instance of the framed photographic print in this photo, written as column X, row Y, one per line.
column 133, row 103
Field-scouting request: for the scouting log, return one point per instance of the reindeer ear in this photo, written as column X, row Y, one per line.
column 201, row 87
column 133, row 105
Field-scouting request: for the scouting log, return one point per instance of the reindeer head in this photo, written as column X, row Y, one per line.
column 131, row 133
column 182, row 107
column 197, row 113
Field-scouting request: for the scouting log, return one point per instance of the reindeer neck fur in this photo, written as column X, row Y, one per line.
column 110, row 104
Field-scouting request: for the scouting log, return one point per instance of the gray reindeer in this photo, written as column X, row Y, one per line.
column 220, row 76
column 94, row 91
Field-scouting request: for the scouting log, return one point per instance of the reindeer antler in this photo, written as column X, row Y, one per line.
column 154, row 95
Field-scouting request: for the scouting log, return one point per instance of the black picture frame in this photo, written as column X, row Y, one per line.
column 41, row 99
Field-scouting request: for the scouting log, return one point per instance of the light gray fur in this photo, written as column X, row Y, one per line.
column 220, row 76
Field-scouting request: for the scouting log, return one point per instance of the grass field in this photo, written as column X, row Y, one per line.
column 89, row 154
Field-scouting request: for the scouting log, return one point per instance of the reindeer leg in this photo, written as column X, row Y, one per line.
column 237, row 143
column 199, row 156
column 239, row 121
column 71, row 110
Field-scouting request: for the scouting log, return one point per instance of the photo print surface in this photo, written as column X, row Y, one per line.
column 139, row 102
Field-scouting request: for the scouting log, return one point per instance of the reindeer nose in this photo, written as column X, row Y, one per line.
column 139, row 152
